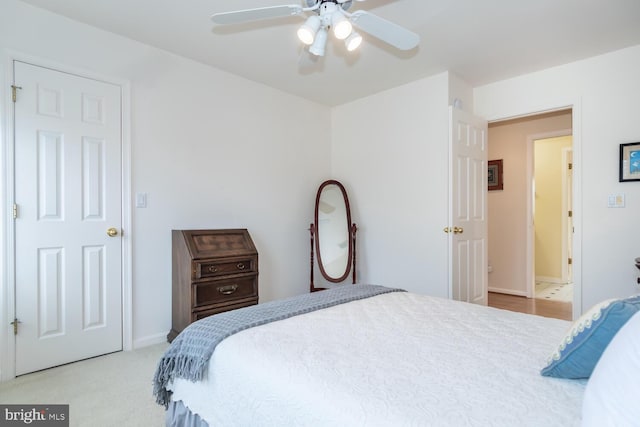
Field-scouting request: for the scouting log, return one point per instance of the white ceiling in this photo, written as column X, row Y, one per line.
column 479, row 40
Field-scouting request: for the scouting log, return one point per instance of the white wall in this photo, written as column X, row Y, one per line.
column 211, row 150
column 606, row 89
column 390, row 150
column 460, row 91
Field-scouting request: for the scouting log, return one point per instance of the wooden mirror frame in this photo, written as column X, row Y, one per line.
column 315, row 240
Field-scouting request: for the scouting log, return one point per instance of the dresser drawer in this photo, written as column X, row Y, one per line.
column 214, row 268
column 197, row 315
column 219, row 291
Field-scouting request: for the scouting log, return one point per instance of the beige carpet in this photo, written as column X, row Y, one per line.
column 112, row 390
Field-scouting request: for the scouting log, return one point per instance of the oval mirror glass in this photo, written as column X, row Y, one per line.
column 333, row 235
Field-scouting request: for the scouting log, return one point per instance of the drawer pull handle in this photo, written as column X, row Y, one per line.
column 241, row 266
column 227, row 290
column 212, row 269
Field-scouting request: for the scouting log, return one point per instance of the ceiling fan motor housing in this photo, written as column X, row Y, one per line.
column 345, row 5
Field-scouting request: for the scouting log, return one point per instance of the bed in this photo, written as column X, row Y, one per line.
column 395, row 358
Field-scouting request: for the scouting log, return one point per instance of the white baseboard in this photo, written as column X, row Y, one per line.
column 508, row 292
column 149, row 340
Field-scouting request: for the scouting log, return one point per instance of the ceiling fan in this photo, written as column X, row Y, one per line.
column 326, row 16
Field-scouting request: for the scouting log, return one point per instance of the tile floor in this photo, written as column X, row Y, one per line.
column 554, row 291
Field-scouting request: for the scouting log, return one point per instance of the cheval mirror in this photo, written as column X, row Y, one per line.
column 333, row 236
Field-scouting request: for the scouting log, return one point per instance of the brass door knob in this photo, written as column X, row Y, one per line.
column 458, row 230
column 447, row 230
column 112, row 232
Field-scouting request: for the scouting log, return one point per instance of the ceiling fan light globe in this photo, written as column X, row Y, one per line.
column 305, row 35
column 319, row 45
column 353, row 41
column 341, row 26
column 307, row 32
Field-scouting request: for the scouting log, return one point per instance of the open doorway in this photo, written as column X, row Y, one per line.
column 512, row 234
column 552, row 217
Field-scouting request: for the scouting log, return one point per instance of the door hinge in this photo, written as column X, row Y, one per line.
column 14, row 92
column 570, row 166
column 570, row 261
column 15, row 211
column 570, row 214
column 15, row 325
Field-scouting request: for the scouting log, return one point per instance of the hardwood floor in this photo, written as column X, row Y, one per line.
column 541, row 307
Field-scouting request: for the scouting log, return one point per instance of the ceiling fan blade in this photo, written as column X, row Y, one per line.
column 240, row 16
column 386, row 31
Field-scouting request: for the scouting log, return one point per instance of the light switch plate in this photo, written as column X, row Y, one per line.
column 141, row 200
column 616, row 200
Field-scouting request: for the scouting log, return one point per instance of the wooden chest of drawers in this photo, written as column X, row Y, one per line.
column 212, row 271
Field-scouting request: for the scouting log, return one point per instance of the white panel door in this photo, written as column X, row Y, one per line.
column 468, row 227
column 68, row 193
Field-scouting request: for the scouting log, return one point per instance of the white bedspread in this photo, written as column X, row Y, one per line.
column 397, row 359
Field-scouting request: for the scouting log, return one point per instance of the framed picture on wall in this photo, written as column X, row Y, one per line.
column 494, row 175
column 630, row 162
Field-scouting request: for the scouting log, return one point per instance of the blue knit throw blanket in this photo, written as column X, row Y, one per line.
column 189, row 353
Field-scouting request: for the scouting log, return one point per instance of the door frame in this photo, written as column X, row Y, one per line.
column 7, row 195
column 531, row 249
column 562, row 103
column 567, row 205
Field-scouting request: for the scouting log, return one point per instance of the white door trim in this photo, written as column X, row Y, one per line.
column 7, row 255
column 576, row 106
column 567, row 156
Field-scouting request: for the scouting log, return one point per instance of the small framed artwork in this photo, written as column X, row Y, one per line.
column 494, row 175
column 630, row 162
